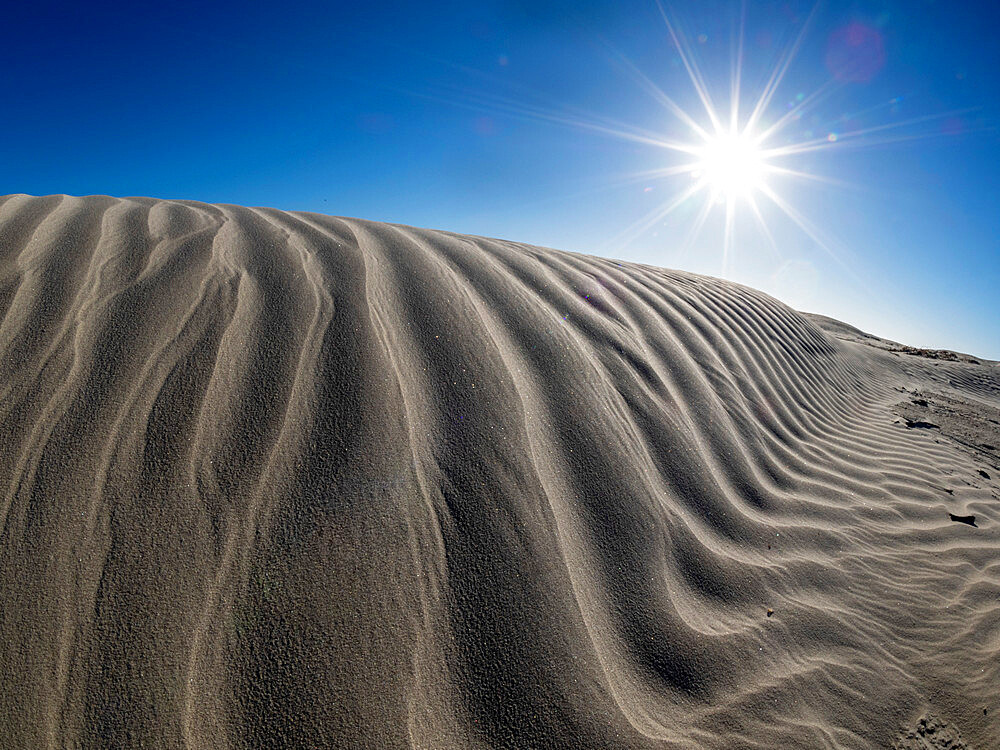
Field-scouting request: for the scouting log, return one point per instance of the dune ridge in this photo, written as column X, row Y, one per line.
column 283, row 479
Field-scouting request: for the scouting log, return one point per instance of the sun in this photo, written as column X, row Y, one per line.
column 732, row 165
column 738, row 150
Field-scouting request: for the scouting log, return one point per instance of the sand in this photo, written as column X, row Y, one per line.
column 287, row 480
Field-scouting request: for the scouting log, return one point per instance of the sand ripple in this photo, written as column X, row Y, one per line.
column 281, row 479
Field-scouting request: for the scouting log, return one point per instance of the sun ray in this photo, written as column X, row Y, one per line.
column 804, row 224
column 816, row 236
column 626, row 236
column 570, row 118
column 826, row 180
column 727, row 241
column 695, row 229
column 737, row 73
column 843, row 139
column 778, row 75
column 811, row 100
column 755, row 209
column 894, row 101
column 657, row 93
column 692, row 70
column 654, row 174
column 480, row 103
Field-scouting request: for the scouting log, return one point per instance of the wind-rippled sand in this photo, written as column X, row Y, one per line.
column 286, row 480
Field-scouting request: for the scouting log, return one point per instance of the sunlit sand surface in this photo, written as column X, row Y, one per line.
column 281, row 479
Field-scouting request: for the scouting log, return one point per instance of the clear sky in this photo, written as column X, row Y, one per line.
column 558, row 124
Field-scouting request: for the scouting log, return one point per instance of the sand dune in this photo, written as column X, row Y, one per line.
column 280, row 479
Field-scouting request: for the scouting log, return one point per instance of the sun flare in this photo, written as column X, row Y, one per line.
column 732, row 158
column 732, row 165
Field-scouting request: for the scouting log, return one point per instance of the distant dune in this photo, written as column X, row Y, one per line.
column 287, row 480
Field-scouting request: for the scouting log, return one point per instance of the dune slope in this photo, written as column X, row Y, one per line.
column 281, row 479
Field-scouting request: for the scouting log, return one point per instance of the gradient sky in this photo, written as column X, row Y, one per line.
column 496, row 119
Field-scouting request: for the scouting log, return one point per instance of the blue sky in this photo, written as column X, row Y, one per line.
column 506, row 119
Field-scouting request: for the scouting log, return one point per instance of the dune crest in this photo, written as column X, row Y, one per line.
column 282, row 479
